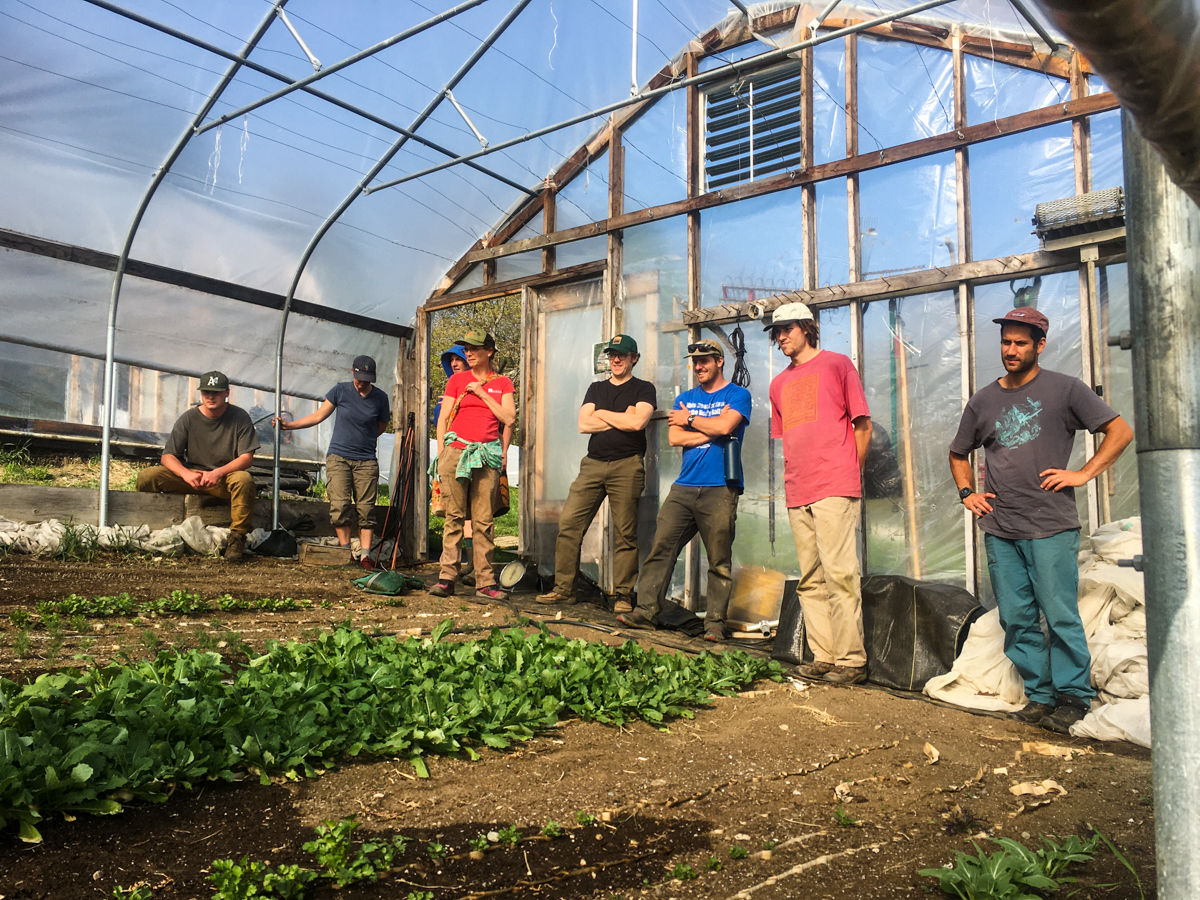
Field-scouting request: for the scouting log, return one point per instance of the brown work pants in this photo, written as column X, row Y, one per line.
column 236, row 487
column 472, row 499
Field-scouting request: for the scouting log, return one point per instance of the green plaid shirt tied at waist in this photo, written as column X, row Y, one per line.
column 475, row 454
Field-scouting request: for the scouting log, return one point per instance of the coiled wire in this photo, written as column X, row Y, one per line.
column 741, row 374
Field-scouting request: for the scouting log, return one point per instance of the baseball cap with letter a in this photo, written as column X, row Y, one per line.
column 214, row 381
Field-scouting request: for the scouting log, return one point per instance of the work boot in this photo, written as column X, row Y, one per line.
column 235, row 550
column 1031, row 713
column 815, row 671
column 554, row 597
column 846, row 675
column 622, row 603
column 1069, row 711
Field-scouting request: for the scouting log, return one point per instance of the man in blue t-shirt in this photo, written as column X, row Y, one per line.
column 351, row 467
column 705, row 419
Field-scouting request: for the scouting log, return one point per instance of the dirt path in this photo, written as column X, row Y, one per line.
column 763, row 767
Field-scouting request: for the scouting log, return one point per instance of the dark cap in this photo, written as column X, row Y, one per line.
column 1025, row 315
column 214, row 381
column 483, row 339
column 705, row 348
column 364, row 369
column 622, row 343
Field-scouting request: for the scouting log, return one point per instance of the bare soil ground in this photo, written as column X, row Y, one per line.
column 750, row 770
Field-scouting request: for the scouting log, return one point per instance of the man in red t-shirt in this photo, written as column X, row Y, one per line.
column 819, row 410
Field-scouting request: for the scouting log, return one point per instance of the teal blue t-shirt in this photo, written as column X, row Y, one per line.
column 704, row 466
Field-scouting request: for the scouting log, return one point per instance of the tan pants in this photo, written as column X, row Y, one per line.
column 829, row 591
column 236, row 487
column 351, row 484
column 474, row 500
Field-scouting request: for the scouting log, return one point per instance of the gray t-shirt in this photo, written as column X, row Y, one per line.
column 206, row 444
column 1023, row 432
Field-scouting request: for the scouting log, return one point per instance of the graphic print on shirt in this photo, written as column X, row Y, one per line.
column 1019, row 425
column 799, row 401
column 708, row 410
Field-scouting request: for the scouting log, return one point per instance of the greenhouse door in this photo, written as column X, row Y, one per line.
column 562, row 326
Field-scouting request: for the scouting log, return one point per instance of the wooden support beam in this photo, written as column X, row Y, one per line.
column 984, row 271
column 549, row 224
column 613, row 307
column 500, row 288
column 939, row 143
column 808, row 193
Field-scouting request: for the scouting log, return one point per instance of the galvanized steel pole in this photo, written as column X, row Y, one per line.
column 110, row 343
column 1164, row 288
column 360, row 190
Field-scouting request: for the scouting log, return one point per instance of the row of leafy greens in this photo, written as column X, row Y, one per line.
column 91, row 740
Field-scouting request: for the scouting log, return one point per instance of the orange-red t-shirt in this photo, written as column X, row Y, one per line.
column 475, row 421
column 813, row 408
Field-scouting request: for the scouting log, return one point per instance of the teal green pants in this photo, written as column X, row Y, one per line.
column 1042, row 576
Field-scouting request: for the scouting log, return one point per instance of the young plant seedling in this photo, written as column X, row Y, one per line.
column 509, row 835
column 585, row 819
column 683, row 872
column 552, row 829
column 713, row 864
column 844, row 818
column 737, row 851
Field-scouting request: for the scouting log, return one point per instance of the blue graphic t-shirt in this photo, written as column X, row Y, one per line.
column 1025, row 431
column 704, row 466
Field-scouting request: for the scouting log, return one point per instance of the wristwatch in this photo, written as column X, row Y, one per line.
column 964, row 493
column 690, row 419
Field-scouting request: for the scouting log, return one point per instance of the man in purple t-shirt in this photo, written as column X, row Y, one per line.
column 820, row 412
column 1026, row 423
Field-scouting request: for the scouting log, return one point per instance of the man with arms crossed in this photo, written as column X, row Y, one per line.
column 615, row 413
column 210, row 448
column 704, row 420
column 819, row 410
column 1026, row 423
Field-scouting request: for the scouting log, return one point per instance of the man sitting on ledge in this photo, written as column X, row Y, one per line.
column 210, row 448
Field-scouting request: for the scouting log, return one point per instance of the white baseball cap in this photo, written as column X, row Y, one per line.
column 789, row 312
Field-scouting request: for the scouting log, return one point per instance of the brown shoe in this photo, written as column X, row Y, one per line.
column 235, row 550
column 816, row 671
column 635, row 620
column 553, row 597
column 622, row 605
column 846, row 675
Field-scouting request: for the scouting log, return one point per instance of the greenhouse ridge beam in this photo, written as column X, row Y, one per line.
column 358, row 191
column 308, row 89
column 949, row 140
column 711, row 75
column 178, row 278
column 338, row 66
column 151, row 189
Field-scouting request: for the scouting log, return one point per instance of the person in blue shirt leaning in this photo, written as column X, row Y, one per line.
column 702, row 500
column 351, row 466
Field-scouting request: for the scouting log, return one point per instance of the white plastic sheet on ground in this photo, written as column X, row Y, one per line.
column 46, row 538
column 1112, row 606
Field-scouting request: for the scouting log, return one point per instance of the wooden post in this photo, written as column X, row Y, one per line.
column 695, row 150
column 421, row 488
column 966, row 292
column 549, row 224
column 808, row 193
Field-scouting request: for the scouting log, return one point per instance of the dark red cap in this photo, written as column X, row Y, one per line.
column 1025, row 315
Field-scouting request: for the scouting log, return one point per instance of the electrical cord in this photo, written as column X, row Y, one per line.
column 741, row 374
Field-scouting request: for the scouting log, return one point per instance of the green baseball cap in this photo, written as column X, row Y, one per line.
column 477, row 339
column 622, row 343
column 214, row 381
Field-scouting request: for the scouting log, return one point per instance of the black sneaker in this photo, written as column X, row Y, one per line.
column 1031, row 713
column 1070, row 710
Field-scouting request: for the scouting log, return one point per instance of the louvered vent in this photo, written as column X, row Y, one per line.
column 752, row 127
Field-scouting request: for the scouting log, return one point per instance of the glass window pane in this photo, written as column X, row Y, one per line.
column 909, row 216
column 656, row 154
column 751, row 245
column 1009, row 177
column 912, row 373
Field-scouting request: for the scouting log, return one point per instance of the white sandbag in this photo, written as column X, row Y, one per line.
column 1121, row 720
column 982, row 677
column 1120, row 668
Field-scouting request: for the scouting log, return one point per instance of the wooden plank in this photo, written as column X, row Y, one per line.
column 808, row 193
column 549, row 224
column 499, row 289
column 950, row 140
column 962, row 169
column 1081, row 131
column 321, row 555
column 83, row 256
column 611, row 316
column 984, row 271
